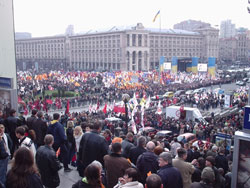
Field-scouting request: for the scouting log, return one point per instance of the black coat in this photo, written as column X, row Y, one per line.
column 170, row 176
column 40, row 128
column 31, row 121
column 81, row 184
column 135, row 152
column 221, row 162
column 92, row 147
column 48, row 166
column 148, row 161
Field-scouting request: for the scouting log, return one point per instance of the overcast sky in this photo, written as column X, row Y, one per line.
column 51, row 17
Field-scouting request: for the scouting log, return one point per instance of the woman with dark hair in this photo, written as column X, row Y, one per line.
column 92, row 178
column 24, row 173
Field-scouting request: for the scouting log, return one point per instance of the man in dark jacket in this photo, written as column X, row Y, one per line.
column 170, row 176
column 127, row 145
column 11, row 123
column 135, row 152
column 92, row 147
column 48, row 164
column 60, row 140
column 40, row 128
column 32, row 119
column 221, row 160
column 147, row 162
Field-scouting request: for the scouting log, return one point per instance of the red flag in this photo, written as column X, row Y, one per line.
column 105, row 109
column 67, row 108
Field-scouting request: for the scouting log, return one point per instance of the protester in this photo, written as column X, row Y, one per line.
column 153, row 181
column 127, row 144
column 71, row 141
column 48, row 164
column 78, row 136
column 32, row 119
column 40, row 127
column 60, row 140
column 25, row 141
column 135, row 152
column 23, row 173
column 92, row 178
column 186, row 169
column 92, row 147
column 129, row 180
column 147, row 162
column 5, row 145
column 170, row 176
column 115, row 165
column 207, row 179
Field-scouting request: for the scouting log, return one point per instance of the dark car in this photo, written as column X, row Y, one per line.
column 164, row 134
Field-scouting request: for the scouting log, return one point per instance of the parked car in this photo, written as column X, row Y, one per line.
column 168, row 94
column 189, row 92
column 164, row 134
column 149, row 131
column 179, row 93
column 240, row 83
column 188, row 137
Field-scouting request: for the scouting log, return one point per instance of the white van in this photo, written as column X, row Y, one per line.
column 190, row 113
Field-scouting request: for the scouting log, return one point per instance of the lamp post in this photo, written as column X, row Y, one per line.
column 125, row 98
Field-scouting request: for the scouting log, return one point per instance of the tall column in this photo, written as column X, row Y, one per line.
column 130, row 39
column 136, row 60
column 142, row 60
column 130, row 60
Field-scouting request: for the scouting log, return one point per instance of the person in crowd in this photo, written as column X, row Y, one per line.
column 92, row 178
column 129, row 180
column 135, row 152
column 1, row 117
column 48, row 164
column 11, row 123
column 153, row 181
column 190, row 154
column 60, row 140
column 5, row 145
column 108, row 136
column 78, row 136
column 221, row 160
column 212, row 152
column 71, row 141
column 207, row 179
column 32, row 119
column 174, row 146
column 199, row 166
column 21, row 118
column 147, row 162
column 158, row 150
column 25, row 141
column 40, row 127
column 210, row 162
column 23, row 173
column 127, row 144
column 186, row 169
column 92, row 147
column 115, row 165
column 170, row 176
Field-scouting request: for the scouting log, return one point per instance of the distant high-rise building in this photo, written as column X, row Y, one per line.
column 69, row 30
column 191, row 25
column 227, row 29
column 22, row 35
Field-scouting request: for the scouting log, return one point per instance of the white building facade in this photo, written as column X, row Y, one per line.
column 130, row 48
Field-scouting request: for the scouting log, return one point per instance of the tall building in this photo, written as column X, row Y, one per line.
column 119, row 48
column 235, row 48
column 191, row 25
column 227, row 29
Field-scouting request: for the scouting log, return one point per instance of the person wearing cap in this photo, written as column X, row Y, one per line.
column 21, row 118
column 210, row 162
column 170, row 176
column 207, row 179
column 186, row 169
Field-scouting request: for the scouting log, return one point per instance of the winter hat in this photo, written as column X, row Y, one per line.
column 207, row 174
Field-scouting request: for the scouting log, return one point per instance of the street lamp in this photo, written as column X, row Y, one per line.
column 125, row 98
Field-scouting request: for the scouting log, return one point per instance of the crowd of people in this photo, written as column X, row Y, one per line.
column 118, row 154
column 40, row 146
column 99, row 88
